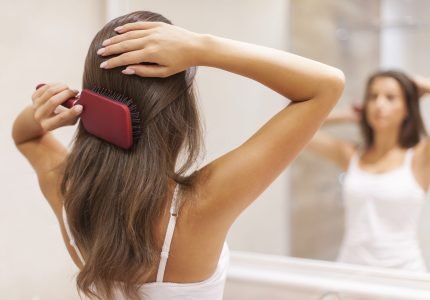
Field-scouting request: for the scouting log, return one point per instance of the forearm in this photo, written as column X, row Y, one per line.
column 425, row 85
column 341, row 117
column 292, row 76
column 25, row 127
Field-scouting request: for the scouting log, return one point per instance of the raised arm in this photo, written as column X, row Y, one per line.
column 423, row 84
column 231, row 183
column 423, row 151
column 331, row 148
column 32, row 135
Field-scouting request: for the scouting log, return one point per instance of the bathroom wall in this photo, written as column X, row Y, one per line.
column 42, row 41
column 234, row 107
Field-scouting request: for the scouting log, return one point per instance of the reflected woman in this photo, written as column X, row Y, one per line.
column 386, row 180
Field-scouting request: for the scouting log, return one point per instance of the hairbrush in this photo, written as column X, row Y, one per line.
column 108, row 115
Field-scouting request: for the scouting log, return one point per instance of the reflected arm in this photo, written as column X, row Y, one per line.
column 332, row 148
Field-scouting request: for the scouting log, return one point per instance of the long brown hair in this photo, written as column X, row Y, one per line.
column 113, row 197
column 412, row 128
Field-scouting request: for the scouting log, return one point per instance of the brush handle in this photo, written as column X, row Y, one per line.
column 69, row 103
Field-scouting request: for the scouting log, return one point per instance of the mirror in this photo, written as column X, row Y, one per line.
column 359, row 37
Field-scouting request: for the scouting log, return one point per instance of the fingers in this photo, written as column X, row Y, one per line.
column 148, row 71
column 59, row 109
column 47, row 91
column 64, row 118
column 46, row 109
column 128, row 58
column 132, row 35
column 134, row 45
column 138, row 26
column 38, row 92
column 121, row 47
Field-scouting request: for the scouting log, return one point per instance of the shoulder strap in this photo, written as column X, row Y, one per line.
column 169, row 234
column 354, row 161
column 70, row 236
column 409, row 155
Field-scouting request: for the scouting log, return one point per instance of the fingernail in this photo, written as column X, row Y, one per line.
column 57, row 110
column 100, row 51
column 75, row 91
column 106, row 42
column 78, row 108
column 103, row 64
column 118, row 28
column 128, row 71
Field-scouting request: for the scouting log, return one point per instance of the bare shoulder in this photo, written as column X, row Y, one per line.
column 421, row 163
column 229, row 184
column 422, row 152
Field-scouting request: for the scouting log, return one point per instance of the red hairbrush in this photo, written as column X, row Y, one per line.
column 109, row 116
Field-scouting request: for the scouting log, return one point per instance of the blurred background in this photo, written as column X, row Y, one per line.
column 301, row 214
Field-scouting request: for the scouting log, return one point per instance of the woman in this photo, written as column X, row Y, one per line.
column 386, row 181
column 140, row 225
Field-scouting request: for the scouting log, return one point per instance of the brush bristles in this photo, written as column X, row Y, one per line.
column 134, row 112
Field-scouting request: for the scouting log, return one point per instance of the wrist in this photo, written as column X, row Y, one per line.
column 337, row 117
column 426, row 86
column 201, row 46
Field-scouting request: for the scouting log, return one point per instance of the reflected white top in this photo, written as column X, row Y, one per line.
column 209, row 289
column 382, row 212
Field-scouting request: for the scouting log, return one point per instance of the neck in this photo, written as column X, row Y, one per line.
column 385, row 141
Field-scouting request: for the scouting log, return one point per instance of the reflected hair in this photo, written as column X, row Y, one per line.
column 114, row 197
column 412, row 129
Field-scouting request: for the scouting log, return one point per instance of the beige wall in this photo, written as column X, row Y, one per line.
column 235, row 107
column 42, row 41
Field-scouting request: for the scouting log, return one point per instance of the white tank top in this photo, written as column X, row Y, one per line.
column 382, row 212
column 209, row 289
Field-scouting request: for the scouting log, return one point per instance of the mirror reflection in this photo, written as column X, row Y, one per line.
column 359, row 192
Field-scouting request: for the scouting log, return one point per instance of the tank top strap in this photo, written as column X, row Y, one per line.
column 409, row 155
column 169, row 235
column 70, row 236
column 354, row 161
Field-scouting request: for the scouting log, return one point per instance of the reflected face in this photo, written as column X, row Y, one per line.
column 386, row 105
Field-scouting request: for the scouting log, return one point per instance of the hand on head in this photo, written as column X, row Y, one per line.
column 150, row 49
column 422, row 83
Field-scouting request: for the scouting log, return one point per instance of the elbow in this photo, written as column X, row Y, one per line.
column 17, row 134
column 334, row 85
column 14, row 134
